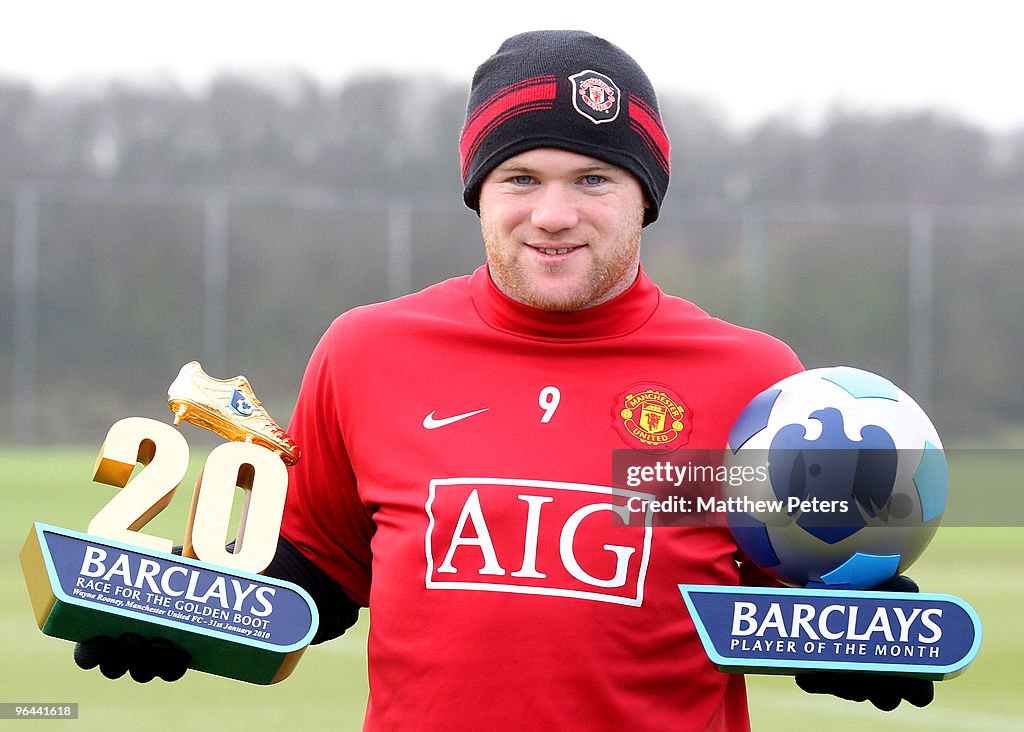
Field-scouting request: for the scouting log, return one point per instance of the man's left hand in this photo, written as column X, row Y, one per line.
column 884, row 691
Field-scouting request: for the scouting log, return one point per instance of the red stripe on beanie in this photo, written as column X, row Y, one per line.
column 645, row 122
column 523, row 96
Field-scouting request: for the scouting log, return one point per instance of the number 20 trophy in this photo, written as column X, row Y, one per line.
column 210, row 601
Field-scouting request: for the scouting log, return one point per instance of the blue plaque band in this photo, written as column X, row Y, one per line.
column 788, row 631
column 234, row 624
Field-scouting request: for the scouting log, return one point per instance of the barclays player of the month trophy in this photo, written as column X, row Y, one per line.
column 836, row 481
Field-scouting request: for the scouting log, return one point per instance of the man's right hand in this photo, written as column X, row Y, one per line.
column 143, row 658
column 147, row 658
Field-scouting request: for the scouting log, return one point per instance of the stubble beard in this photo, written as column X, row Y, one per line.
column 607, row 276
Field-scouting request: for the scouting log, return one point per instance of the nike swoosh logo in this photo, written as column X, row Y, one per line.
column 430, row 423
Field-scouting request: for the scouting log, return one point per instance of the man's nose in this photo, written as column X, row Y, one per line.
column 555, row 208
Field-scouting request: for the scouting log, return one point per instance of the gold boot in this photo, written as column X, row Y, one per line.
column 229, row 408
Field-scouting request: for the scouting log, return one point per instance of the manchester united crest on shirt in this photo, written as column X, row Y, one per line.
column 595, row 96
column 652, row 416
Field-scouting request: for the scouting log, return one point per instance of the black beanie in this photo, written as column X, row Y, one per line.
column 569, row 90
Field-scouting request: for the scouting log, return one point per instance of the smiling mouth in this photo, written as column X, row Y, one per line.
column 554, row 251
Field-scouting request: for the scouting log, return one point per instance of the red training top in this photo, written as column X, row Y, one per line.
column 456, row 472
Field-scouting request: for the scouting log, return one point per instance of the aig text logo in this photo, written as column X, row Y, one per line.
column 538, row 538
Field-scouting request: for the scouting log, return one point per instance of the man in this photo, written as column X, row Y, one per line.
column 458, row 442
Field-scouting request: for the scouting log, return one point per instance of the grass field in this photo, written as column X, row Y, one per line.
column 985, row 566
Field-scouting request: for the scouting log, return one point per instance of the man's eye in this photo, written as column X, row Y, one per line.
column 522, row 180
column 593, row 180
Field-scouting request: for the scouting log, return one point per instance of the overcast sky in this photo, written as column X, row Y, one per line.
column 749, row 58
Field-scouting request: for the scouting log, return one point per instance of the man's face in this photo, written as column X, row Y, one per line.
column 562, row 230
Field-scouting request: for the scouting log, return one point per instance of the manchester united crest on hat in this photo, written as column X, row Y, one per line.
column 595, row 96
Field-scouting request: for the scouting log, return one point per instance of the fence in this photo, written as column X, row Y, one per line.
column 106, row 289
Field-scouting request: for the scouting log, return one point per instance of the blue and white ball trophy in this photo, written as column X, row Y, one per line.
column 850, row 485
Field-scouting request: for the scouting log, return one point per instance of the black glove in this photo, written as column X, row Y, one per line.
column 143, row 658
column 884, row 691
column 147, row 658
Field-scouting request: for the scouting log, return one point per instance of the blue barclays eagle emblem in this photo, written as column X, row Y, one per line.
column 242, row 406
column 834, row 467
